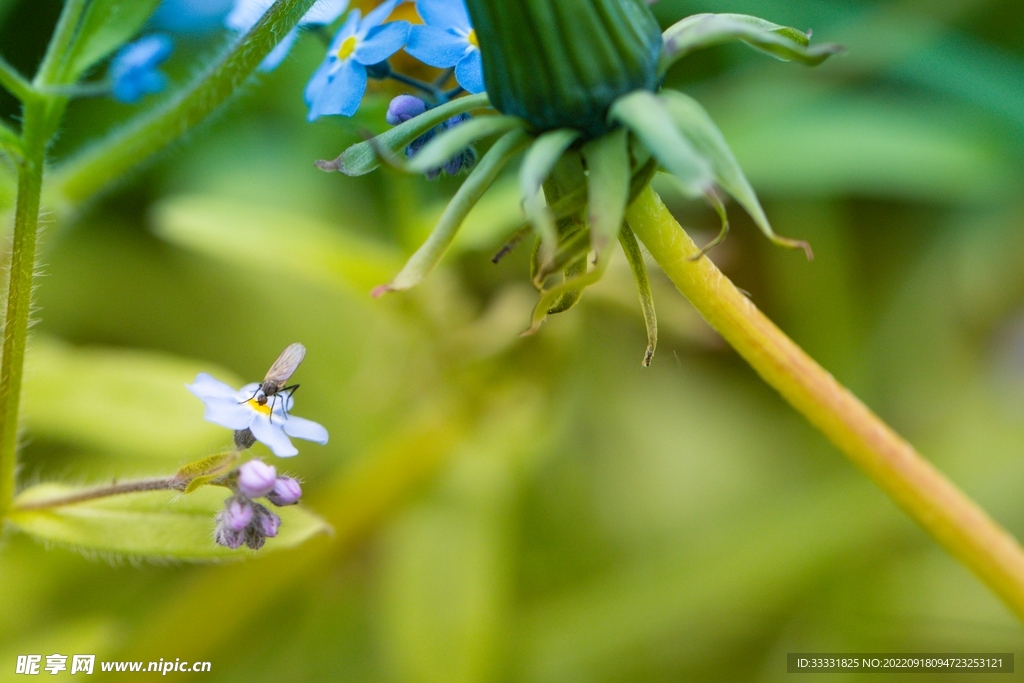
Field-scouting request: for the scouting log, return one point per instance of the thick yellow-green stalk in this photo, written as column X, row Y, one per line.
column 943, row 510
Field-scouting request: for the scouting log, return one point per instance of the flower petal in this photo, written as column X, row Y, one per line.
column 301, row 428
column 339, row 93
column 246, row 13
column 324, row 12
column 444, row 13
column 436, row 46
column 273, row 436
column 469, row 72
column 378, row 15
column 228, row 412
column 205, row 386
column 277, row 55
column 381, row 42
column 347, row 29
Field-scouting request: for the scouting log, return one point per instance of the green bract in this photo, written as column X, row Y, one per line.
column 576, row 84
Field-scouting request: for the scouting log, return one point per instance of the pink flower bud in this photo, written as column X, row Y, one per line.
column 286, row 492
column 237, row 514
column 256, row 478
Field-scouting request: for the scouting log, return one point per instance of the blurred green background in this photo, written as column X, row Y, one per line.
column 544, row 509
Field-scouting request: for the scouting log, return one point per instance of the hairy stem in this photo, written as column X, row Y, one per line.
column 19, row 292
column 97, row 167
column 159, row 484
column 937, row 505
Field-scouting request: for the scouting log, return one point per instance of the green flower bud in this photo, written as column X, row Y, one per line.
column 561, row 63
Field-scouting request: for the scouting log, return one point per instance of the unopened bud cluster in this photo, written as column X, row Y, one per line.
column 245, row 521
column 406, row 107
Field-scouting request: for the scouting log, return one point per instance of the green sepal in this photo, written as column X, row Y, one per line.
column 203, row 471
column 537, row 165
column 694, row 123
column 647, row 117
column 643, row 288
column 705, row 30
column 608, row 179
column 468, row 194
column 362, row 158
column 452, row 141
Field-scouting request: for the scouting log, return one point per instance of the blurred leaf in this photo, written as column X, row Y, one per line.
column 158, row 524
column 120, row 401
column 447, row 574
column 274, row 241
column 745, row 573
column 972, row 71
column 859, row 145
column 106, row 26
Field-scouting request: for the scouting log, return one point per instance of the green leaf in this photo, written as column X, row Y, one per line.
column 481, row 177
column 452, row 141
column 363, row 158
column 646, row 115
column 856, row 145
column 256, row 236
column 643, row 288
column 607, row 186
column 105, row 26
column 129, row 403
column 156, row 524
column 693, row 122
column 540, row 160
column 706, row 30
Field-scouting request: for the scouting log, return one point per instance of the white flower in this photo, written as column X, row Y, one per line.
column 271, row 424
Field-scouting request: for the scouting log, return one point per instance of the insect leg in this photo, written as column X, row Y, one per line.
column 291, row 392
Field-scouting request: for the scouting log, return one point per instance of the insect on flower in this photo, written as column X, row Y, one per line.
column 274, row 381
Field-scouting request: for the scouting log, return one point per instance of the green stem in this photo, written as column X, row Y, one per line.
column 97, row 167
column 19, row 293
column 937, row 505
column 137, row 486
column 63, row 35
column 14, row 82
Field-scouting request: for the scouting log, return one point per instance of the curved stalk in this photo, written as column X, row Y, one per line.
column 931, row 500
column 137, row 486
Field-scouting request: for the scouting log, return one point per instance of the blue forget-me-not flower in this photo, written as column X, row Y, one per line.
column 247, row 12
column 338, row 86
column 190, row 16
column 447, row 39
column 270, row 423
column 133, row 71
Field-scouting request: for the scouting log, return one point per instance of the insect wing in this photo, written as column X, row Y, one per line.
column 285, row 365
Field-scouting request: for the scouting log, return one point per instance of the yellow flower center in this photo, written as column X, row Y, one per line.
column 255, row 405
column 348, row 46
column 472, row 38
